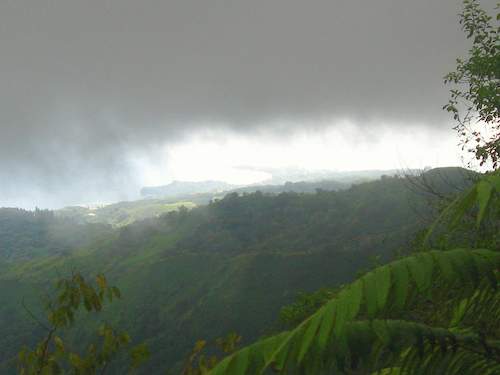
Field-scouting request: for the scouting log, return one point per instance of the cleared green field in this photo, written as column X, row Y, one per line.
column 124, row 213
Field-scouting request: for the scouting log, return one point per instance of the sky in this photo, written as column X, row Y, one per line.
column 99, row 98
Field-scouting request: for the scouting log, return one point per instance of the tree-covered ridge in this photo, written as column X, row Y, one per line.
column 124, row 213
column 27, row 234
column 430, row 312
column 194, row 274
column 323, row 221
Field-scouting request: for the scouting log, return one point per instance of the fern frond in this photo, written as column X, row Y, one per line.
column 385, row 346
column 408, row 347
column 481, row 194
column 481, row 309
column 459, row 362
column 392, row 286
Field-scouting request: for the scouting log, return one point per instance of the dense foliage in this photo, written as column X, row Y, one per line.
column 475, row 98
column 363, row 328
column 52, row 356
column 228, row 266
column 27, row 234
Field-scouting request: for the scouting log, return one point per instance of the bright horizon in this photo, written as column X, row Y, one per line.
column 245, row 159
column 217, row 153
column 225, row 156
column 99, row 100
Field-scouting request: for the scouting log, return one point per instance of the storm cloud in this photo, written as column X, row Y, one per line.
column 85, row 84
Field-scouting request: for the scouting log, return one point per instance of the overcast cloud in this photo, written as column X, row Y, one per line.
column 85, row 85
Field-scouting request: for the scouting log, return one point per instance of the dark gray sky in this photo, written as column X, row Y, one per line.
column 85, row 84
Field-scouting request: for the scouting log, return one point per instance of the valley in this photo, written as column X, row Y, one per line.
column 200, row 272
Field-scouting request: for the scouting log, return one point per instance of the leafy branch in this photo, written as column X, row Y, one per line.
column 53, row 356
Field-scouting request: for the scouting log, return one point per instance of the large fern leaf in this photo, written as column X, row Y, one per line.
column 482, row 194
column 388, row 288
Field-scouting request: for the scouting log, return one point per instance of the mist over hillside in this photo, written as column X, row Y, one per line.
column 290, row 178
column 183, row 188
column 194, row 271
column 249, row 187
column 162, row 199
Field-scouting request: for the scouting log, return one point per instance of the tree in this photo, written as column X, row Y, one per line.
column 475, row 98
column 53, row 356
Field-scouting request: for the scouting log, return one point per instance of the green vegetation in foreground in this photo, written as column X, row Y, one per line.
column 52, row 355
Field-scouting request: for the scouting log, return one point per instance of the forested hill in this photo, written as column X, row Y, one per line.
column 124, row 213
column 298, row 222
column 227, row 266
column 28, row 234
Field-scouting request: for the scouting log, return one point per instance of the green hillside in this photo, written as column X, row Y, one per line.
column 41, row 233
column 122, row 213
column 227, row 266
